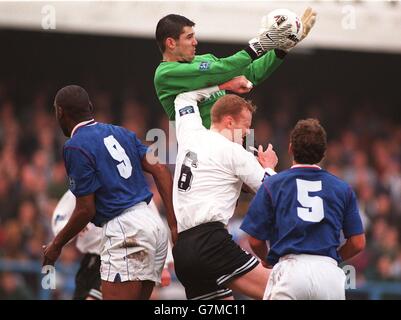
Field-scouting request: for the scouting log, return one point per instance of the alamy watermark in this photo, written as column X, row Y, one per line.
column 348, row 21
column 49, row 278
column 350, row 276
column 164, row 146
column 48, row 21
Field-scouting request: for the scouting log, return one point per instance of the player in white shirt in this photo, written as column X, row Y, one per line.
column 211, row 168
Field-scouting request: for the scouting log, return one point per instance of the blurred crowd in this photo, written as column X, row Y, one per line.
column 364, row 149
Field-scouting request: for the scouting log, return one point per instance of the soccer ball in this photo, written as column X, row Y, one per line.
column 281, row 17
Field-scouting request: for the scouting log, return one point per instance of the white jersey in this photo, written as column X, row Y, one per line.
column 89, row 239
column 210, row 169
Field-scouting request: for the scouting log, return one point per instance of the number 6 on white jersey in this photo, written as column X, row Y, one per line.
column 118, row 153
column 312, row 207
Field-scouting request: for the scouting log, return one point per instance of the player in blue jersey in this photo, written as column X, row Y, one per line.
column 302, row 212
column 105, row 165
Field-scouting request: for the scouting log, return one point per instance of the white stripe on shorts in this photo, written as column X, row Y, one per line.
column 246, row 266
column 213, row 295
column 95, row 294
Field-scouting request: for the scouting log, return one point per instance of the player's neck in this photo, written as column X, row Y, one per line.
column 171, row 57
column 296, row 164
column 168, row 57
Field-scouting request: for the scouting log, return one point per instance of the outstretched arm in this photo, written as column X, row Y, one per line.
column 210, row 71
column 262, row 68
column 186, row 104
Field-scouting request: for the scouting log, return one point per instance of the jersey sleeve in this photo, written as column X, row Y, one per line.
column 175, row 78
column 206, row 72
column 81, row 171
column 352, row 224
column 188, row 118
column 248, row 169
column 262, row 68
column 259, row 220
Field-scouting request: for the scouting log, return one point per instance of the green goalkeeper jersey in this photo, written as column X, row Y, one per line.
column 173, row 78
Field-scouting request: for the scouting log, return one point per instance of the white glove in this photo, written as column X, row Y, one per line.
column 270, row 39
column 308, row 21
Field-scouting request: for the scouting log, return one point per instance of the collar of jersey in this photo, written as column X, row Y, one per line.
column 82, row 124
column 306, row 166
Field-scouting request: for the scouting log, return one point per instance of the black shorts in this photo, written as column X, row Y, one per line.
column 87, row 280
column 206, row 258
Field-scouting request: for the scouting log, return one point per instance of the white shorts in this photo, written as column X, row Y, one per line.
column 134, row 246
column 306, row 277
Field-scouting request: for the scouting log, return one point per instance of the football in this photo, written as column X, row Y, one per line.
column 281, row 17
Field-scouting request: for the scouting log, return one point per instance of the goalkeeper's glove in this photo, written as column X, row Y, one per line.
column 308, row 20
column 270, row 39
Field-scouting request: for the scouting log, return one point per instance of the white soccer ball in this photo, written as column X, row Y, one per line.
column 282, row 17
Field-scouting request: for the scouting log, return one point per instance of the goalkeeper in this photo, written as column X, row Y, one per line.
column 181, row 70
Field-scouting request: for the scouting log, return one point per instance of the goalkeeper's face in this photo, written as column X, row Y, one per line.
column 185, row 46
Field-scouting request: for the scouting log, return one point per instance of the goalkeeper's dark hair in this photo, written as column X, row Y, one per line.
column 170, row 26
column 74, row 100
column 308, row 141
column 230, row 105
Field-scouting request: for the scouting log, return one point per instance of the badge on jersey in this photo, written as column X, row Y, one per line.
column 186, row 110
column 204, row 66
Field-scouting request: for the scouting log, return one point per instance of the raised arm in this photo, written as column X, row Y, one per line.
column 210, row 71
column 173, row 78
column 187, row 114
column 262, row 68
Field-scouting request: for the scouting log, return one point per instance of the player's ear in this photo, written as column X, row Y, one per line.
column 90, row 106
column 229, row 121
column 59, row 111
column 290, row 149
column 171, row 43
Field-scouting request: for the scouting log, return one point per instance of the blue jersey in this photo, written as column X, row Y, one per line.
column 302, row 211
column 106, row 160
